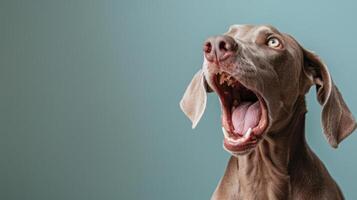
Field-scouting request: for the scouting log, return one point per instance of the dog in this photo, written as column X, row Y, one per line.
column 261, row 77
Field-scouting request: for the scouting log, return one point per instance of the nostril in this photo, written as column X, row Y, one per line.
column 222, row 46
column 207, row 47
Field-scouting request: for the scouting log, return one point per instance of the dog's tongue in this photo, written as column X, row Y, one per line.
column 245, row 116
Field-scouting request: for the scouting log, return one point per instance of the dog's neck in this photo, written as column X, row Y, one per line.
column 264, row 173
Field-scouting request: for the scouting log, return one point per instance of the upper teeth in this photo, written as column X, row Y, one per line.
column 226, row 78
column 235, row 102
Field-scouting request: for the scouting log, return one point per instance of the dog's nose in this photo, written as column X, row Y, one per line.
column 219, row 48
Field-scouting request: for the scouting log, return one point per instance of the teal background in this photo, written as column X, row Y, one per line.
column 89, row 94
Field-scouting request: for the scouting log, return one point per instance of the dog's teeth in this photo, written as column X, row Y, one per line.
column 221, row 80
column 225, row 133
column 248, row 133
column 235, row 103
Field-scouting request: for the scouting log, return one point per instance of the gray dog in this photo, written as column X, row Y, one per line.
column 261, row 77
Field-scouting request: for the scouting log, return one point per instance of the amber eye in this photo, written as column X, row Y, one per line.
column 274, row 42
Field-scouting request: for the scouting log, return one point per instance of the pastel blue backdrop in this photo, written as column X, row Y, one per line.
column 89, row 93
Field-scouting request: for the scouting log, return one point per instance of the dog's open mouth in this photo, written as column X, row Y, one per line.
column 244, row 113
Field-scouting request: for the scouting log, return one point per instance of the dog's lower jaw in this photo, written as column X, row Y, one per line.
column 277, row 167
column 266, row 169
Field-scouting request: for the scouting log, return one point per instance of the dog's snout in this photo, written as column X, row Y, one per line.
column 219, row 48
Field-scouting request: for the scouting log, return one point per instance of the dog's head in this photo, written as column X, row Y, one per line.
column 259, row 74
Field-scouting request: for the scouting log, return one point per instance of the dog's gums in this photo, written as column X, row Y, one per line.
column 244, row 114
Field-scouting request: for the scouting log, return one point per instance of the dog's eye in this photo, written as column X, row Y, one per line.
column 274, row 43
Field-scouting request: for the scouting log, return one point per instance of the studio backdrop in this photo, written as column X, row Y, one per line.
column 90, row 91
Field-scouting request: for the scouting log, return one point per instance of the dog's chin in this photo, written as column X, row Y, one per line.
column 239, row 153
column 240, row 145
column 244, row 114
column 240, row 148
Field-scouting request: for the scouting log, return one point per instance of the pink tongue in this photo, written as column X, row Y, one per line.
column 245, row 116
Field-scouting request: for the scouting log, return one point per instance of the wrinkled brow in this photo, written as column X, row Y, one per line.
column 250, row 33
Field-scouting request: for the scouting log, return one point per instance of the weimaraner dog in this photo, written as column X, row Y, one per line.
column 261, row 77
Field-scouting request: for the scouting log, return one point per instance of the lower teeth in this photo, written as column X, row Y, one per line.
column 246, row 135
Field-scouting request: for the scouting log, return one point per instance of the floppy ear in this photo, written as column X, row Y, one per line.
column 337, row 120
column 193, row 102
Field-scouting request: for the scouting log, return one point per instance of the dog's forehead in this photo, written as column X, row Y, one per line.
column 246, row 31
